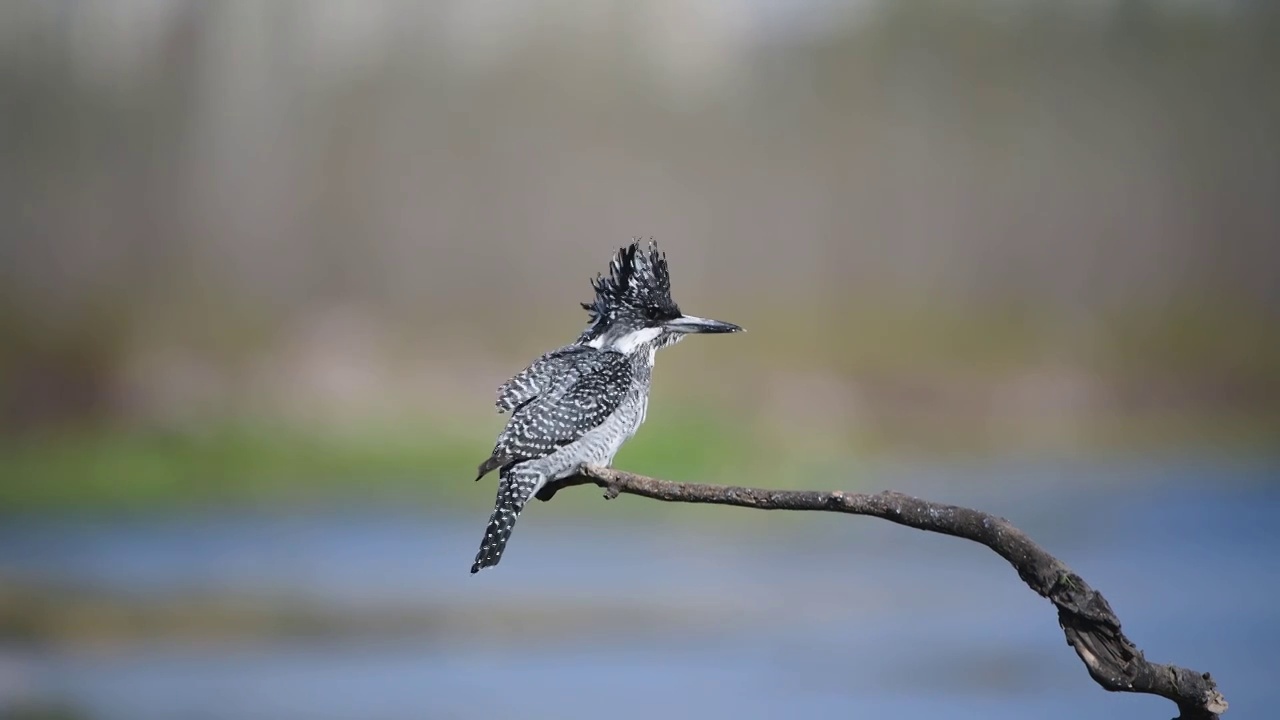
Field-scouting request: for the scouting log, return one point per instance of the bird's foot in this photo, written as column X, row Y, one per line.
column 547, row 492
column 587, row 475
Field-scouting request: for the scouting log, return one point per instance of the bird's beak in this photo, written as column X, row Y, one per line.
column 694, row 324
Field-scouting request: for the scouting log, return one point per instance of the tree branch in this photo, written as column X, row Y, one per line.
column 1088, row 622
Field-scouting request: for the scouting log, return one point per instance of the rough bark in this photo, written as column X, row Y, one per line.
column 1088, row 622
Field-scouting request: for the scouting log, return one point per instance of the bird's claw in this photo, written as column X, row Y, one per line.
column 547, row 492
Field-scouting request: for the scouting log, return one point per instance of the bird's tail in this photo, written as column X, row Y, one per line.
column 515, row 487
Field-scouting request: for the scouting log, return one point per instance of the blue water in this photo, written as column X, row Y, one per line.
column 600, row 614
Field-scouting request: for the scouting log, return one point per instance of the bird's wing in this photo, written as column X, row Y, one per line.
column 553, row 367
column 570, row 404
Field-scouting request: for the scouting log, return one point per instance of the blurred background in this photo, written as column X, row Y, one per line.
column 263, row 265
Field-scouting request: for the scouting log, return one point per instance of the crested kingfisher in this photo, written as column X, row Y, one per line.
column 577, row 405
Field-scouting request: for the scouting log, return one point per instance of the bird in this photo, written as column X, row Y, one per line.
column 577, row 405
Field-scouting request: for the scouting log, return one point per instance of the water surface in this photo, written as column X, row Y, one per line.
column 613, row 615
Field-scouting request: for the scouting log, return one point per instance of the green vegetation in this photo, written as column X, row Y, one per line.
column 267, row 465
column 433, row 464
column 137, row 469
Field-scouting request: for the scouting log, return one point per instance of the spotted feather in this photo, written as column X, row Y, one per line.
column 556, row 368
column 567, row 406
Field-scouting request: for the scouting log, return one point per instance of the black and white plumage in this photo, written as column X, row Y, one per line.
column 577, row 405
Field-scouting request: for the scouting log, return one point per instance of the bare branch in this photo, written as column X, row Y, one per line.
column 1088, row 622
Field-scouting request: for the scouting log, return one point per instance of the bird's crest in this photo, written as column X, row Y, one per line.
column 638, row 286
